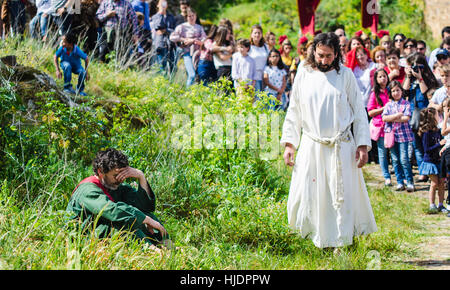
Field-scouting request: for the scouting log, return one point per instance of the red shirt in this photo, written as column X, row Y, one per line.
column 400, row 77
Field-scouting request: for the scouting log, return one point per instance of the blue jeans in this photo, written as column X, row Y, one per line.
column 417, row 148
column 401, row 164
column 284, row 102
column 259, row 86
column 43, row 21
column 68, row 69
column 189, row 69
column 273, row 105
column 206, row 71
column 17, row 14
column 382, row 158
column 165, row 57
column 161, row 58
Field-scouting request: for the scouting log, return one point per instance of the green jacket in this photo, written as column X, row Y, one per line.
column 128, row 211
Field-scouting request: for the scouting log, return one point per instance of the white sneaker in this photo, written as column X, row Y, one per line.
column 410, row 187
column 433, row 209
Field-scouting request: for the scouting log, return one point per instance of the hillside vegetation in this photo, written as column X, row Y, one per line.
column 224, row 208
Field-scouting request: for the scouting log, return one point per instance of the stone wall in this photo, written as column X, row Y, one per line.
column 437, row 16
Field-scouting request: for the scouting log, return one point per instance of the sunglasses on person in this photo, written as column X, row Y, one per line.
column 399, row 40
column 442, row 57
column 420, row 48
column 410, row 46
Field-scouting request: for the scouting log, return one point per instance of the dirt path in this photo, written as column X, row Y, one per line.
column 434, row 252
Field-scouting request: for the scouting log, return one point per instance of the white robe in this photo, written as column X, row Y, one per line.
column 328, row 199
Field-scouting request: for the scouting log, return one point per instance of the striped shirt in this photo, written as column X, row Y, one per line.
column 125, row 14
column 402, row 131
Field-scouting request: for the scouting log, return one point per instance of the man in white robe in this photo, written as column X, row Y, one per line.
column 327, row 123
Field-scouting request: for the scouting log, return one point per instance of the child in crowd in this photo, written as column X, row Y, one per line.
column 145, row 42
column 375, row 106
column 445, row 151
column 71, row 56
column 275, row 77
column 243, row 67
column 289, row 66
column 432, row 142
column 396, row 115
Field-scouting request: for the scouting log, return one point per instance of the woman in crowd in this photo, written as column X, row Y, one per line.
column 378, row 54
column 227, row 22
column 163, row 23
column 418, row 80
column 399, row 43
column 367, row 42
column 259, row 51
column 206, row 70
column 285, row 50
column 191, row 36
column 271, row 40
column 354, row 42
column 361, row 70
column 223, row 50
column 377, row 101
column 386, row 42
column 409, row 48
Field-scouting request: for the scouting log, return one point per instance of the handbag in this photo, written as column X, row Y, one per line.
column 375, row 131
column 389, row 138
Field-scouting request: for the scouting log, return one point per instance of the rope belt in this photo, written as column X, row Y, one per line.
column 344, row 136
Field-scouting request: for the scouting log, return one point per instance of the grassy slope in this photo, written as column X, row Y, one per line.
column 229, row 221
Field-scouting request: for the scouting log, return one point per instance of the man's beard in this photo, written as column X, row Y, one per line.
column 111, row 186
column 324, row 67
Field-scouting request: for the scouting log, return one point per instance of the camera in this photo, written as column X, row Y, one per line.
column 417, row 67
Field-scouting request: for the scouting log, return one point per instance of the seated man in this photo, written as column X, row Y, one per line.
column 71, row 56
column 120, row 206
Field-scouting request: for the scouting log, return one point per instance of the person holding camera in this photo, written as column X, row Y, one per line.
column 419, row 79
column 163, row 24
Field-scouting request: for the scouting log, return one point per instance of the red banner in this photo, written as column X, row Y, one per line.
column 306, row 13
column 370, row 13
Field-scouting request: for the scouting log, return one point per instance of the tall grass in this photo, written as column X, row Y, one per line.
column 224, row 209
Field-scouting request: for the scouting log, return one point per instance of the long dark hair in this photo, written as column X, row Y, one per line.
column 211, row 35
column 376, row 85
column 280, row 63
column 349, row 43
column 221, row 36
column 427, row 74
column 428, row 121
column 328, row 39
